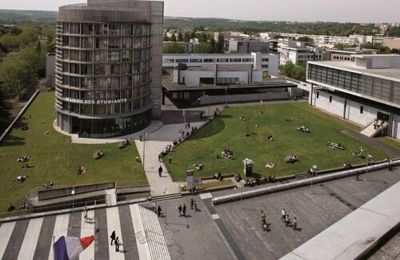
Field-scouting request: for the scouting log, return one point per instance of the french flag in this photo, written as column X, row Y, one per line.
column 67, row 248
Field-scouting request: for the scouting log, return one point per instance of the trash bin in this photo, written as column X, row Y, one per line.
column 248, row 167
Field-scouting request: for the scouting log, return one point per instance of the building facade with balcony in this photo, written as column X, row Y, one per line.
column 364, row 91
column 108, row 67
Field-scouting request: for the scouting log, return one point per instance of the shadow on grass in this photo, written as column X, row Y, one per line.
column 5, row 114
column 12, row 141
column 213, row 128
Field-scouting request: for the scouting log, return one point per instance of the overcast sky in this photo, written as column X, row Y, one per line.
column 283, row 10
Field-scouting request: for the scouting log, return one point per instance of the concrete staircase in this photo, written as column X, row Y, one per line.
column 371, row 131
column 149, row 235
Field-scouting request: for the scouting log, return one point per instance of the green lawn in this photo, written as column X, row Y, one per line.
column 228, row 131
column 54, row 158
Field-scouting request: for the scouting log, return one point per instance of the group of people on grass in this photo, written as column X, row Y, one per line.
column 226, row 154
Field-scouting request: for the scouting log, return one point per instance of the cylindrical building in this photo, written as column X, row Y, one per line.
column 108, row 67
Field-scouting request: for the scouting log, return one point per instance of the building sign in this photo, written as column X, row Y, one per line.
column 97, row 102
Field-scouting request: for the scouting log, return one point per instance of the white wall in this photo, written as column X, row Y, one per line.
column 353, row 111
column 322, row 102
column 396, row 127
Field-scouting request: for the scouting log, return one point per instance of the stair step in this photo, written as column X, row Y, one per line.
column 166, row 197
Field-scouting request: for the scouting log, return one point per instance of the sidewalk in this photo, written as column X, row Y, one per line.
column 155, row 143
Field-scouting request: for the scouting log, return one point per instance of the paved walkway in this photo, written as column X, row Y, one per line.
column 356, row 233
column 392, row 151
column 155, row 143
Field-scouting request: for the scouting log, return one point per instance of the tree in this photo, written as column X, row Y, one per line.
column 180, row 36
column 382, row 49
column 173, row 37
column 306, row 40
column 202, row 37
column 294, row 71
column 393, row 32
column 203, row 47
column 213, row 45
column 187, row 37
column 166, row 38
column 220, row 43
column 173, row 48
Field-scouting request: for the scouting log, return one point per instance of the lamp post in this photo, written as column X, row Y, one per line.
column 73, row 193
column 226, row 96
column 144, row 139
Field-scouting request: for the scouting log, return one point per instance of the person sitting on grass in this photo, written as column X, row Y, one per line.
column 304, row 129
column 81, row 170
column 270, row 165
column 11, row 207
column 291, row 159
column 21, row 179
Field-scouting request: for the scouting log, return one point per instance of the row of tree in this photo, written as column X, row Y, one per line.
column 25, row 57
column 294, row 71
column 207, row 43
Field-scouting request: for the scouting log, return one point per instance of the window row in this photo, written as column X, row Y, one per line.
column 367, row 85
column 105, row 56
column 106, row 69
column 105, row 43
column 106, row 83
column 106, row 29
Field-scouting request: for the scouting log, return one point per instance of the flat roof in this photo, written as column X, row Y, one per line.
column 213, row 54
column 273, row 83
column 390, row 74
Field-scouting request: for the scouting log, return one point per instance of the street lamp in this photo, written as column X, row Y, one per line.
column 226, row 96
column 72, row 194
column 144, row 139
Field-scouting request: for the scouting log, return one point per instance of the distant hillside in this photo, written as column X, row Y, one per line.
column 328, row 28
column 19, row 16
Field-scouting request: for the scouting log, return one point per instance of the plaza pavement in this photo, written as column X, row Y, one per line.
column 138, row 229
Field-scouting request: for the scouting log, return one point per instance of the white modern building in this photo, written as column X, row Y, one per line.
column 260, row 61
column 363, row 91
column 214, row 74
column 248, row 45
column 348, row 54
column 296, row 52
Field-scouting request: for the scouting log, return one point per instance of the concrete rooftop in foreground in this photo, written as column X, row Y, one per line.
column 227, row 231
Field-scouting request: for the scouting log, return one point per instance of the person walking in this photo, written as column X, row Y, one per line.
column 184, row 210
column 191, row 204
column 287, row 220
column 117, row 244
column 112, row 237
column 160, row 170
column 180, row 210
column 283, row 214
column 194, row 206
column 294, row 223
column 85, row 213
column 159, row 211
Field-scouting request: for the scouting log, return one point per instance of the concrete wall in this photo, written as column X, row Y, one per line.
column 206, row 100
column 352, row 111
column 157, row 21
column 335, row 107
column 50, row 69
